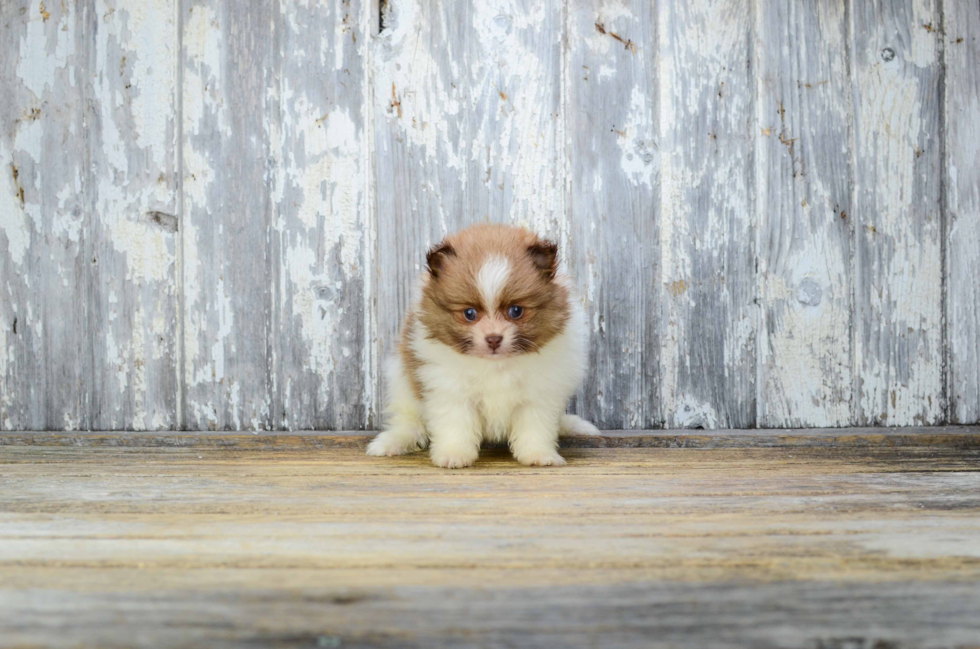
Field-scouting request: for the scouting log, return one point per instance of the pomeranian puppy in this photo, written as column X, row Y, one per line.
column 491, row 351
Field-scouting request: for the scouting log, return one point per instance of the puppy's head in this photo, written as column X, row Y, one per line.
column 491, row 292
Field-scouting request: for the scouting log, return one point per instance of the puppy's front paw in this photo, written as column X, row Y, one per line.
column 453, row 458
column 390, row 443
column 542, row 459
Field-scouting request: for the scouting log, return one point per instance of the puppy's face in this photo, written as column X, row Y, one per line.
column 491, row 292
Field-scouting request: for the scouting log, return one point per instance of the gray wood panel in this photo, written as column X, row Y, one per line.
column 898, row 211
column 132, row 202
column 47, row 241
column 213, row 214
column 707, row 242
column 229, row 111
column 88, row 210
column 323, row 234
column 613, row 243
column 468, row 128
column 962, row 200
column 805, row 214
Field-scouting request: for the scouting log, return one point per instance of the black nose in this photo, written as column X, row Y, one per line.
column 494, row 341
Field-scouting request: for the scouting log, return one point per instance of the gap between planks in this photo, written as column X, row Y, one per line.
column 965, row 437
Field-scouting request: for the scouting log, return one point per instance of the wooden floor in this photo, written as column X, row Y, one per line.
column 303, row 541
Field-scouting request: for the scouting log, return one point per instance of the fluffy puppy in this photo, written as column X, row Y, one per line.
column 491, row 351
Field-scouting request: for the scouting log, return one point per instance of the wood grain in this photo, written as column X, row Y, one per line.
column 88, row 210
column 961, row 119
column 301, row 547
column 45, row 349
column 325, row 370
column 611, row 115
column 707, row 245
column 898, row 267
column 228, row 60
column 805, row 177
column 132, row 173
column 212, row 214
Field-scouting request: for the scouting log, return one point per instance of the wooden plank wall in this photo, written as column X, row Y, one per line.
column 212, row 213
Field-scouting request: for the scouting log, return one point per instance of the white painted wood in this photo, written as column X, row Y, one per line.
column 323, row 229
column 212, row 213
column 277, row 248
column 88, row 211
column 132, row 202
column 962, row 197
column 804, row 175
column 45, row 242
column 708, row 285
column 229, row 111
column 898, row 212
column 613, row 243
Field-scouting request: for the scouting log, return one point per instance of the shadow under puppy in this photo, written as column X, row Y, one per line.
column 491, row 351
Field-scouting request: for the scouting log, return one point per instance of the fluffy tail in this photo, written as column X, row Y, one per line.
column 571, row 425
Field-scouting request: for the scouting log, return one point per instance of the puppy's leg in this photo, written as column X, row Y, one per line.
column 534, row 436
column 572, row 425
column 454, row 433
column 404, row 431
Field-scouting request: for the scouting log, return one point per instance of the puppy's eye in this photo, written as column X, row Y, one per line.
column 515, row 312
column 469, row 314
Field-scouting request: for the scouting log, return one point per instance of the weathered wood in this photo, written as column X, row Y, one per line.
column 707, row 243
column 467, row 128
column 624, row 547
column 212, row 213
column 229, row 112
column 614, row 245
column 898, row 215
column 47, row 241
column 744, row 614
column 132, row 205
column 961, row 119
column 964, row 437
column 87, row 209
column 809, row 614
column 323, row 315
column 804, row 177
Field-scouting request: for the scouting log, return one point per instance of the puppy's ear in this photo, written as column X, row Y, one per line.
column 544, row 254
column 437, row 256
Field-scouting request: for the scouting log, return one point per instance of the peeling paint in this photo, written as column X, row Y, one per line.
column 899, row 315
column 637, row 142
column 515, row 121
column 707, row 353
column 419, row 112
column 13, row 218
column 716, row 262
column 41, row 57
column 962, row 198
column 691, row 413
column 805, row 278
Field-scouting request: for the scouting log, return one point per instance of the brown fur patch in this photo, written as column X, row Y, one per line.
column 452, row 288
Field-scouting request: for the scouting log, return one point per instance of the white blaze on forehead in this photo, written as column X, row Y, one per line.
column 491, row 280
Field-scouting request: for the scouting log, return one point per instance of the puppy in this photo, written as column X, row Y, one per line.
column 491, row 351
